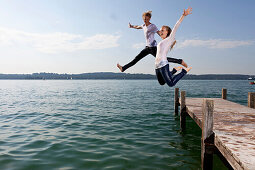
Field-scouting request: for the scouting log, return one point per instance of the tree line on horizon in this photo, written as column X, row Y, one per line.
column 111, row 75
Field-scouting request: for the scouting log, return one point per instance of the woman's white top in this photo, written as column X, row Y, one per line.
column 164, row 46
column 149, row 32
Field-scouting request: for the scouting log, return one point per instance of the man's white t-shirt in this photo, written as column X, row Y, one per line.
column 149, row 32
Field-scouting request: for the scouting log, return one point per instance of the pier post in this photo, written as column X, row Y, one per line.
column 183, row 111
column 224, row 94
column 207, row 141
column 251, row 99
column 176, row 101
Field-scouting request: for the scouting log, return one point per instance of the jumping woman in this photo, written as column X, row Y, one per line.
column 168, row 40
column 151, row 44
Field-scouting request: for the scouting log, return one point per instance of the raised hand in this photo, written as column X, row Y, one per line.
column 187, row 11
column 129, row 25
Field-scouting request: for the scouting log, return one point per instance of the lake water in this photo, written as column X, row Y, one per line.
column 102, row 124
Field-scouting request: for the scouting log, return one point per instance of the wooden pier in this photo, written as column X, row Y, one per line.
column 228, row 128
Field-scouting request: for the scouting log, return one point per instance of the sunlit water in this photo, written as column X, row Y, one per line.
column 102, row 124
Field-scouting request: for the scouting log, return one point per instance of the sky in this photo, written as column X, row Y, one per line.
column 84, row 36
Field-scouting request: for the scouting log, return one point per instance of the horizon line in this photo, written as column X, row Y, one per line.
column 121, row 73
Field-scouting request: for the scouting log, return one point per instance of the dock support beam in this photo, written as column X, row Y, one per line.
column 207, row 141
column 176, row 101
column 251, row 100
column 183, row 111
column 224, row 94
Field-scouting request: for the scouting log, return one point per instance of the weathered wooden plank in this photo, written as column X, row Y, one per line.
column 195, row 117
column 251, row 100
column 193, row 107
column 207, row 121
column 183, row 111
column 234, row 127
column 207, row 140
column 224, row 94
column 226, row 152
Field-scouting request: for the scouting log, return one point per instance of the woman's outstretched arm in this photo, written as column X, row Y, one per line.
column 185, row 13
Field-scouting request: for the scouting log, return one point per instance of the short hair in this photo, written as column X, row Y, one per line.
column 147, row 14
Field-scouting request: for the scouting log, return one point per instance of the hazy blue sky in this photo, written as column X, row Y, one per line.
column 77, row 36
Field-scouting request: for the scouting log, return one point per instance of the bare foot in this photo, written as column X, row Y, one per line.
column 178, row 68
column 120, row 67
column 184, row 64
column 188, row 69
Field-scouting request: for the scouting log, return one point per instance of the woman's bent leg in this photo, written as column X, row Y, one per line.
column 159, row 77
column 173, row 71
column 142, row 54
column 167, row 76
column 179, row 76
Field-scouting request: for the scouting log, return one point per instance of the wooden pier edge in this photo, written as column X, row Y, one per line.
column 210, row 142
column 183, row 111
column 224, row 94
column 251, row 100
column 207, row 141
column 225, row 155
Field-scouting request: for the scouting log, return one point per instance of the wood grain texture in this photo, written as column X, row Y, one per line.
column 234, row 129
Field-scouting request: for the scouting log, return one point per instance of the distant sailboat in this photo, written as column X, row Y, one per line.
column 251, row 82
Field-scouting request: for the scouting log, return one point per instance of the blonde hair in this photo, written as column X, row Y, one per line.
column 169, row 30
column 147, row 14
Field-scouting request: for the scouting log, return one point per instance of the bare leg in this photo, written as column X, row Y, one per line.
column 120, row 67
column 178, row 68
column 184, row 64
column 188, row 69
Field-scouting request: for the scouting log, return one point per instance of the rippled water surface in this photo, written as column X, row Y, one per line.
column 102, row 124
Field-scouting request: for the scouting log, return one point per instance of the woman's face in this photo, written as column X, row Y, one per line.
column 146, row 19
column 163, row 32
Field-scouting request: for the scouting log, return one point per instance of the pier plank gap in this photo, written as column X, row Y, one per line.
column 228, row 129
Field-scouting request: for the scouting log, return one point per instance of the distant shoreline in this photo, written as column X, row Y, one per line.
column 116, row 76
